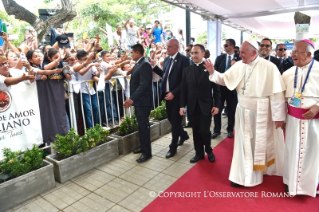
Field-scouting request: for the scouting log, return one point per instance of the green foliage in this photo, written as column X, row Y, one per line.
column 72, row 143
column 96, row 136
column 160, row 112
column 113, row 12
column 18, row 27
column 17, row 163
column 128, row 125
column 202, row 37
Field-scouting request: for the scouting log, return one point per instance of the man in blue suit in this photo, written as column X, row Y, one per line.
column 222, row 64
column 172, row 72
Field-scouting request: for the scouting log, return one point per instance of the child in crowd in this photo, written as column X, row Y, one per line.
column 88, row 71
column 108, row 70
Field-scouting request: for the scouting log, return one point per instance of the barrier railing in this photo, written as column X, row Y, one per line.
column 123, row 95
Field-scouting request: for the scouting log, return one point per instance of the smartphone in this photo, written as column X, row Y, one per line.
column 23, row 58
column 70, row 34
column 1, row 33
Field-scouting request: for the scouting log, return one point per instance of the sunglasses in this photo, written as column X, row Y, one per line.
column 187, row 50
column 226, row 45
column 265, row 45
column 282, row 49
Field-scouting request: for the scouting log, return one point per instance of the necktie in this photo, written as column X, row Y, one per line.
column 281, row 60
column 228, row 62
column 167, row 72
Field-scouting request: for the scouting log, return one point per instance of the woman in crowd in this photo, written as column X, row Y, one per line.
column 6, row 80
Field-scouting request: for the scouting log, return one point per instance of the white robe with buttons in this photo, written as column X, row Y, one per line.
column 263, row 82
column 301, row 161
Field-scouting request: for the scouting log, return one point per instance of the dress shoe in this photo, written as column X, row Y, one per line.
column 286, row 189
column 143, row 158
column 181, row 141
column 224, row 114
column 137, row 151
column 214, row 135
column 211, row 157
column 235, row 185
column 230, row 135
column 170, row 154
column 196, row 159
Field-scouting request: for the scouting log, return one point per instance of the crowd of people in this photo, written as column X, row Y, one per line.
column 256, row 87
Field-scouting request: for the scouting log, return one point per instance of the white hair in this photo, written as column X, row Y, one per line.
column 310, row 48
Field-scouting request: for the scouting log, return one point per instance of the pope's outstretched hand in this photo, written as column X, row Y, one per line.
column 209, row 66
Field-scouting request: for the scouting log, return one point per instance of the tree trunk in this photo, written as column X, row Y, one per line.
column 41, row 27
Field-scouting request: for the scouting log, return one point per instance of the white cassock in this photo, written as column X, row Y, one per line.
column 258, row 147
column 301, row 162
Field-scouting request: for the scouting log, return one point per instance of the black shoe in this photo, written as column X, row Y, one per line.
column 211, row 157
column 170, row 154
column 196, row 159
column 230, row 135
column 181, row 141
column 224, row 114
column 235, row 185
column 286, row 189
column 214, row 135
column 137, row 151
column 143, row 158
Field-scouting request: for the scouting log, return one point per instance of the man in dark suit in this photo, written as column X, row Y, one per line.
column 265, row 48
column 222, row 64
column 281, row 52
column 196, row 94
column 316, row 55
column 141, row 99
column 173, row 68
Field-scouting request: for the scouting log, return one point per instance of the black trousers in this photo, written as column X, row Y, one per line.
column 172, row 109
column 201, row 131
column 142, row 114
column 231, row 101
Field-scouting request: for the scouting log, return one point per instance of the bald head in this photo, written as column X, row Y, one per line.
column 172, row 47
column 248, row 53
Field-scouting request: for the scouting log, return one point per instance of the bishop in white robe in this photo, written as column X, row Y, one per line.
column 259, row 141
column 301, row 160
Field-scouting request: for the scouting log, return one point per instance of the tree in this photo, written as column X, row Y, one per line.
column 113, row 12
column 41, row 27
column 202, row 37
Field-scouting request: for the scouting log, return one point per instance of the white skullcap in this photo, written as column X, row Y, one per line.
column 253, row 43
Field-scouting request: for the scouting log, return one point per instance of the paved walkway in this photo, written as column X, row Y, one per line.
column 122, row 184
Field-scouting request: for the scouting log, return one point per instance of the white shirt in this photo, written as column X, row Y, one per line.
column 105, row 67
column 167, row 82
column 3, row 86
column 86, row 85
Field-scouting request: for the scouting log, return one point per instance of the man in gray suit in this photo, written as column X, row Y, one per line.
column 141, row 99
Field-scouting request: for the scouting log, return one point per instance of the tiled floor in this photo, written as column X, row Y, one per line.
column 122, row 184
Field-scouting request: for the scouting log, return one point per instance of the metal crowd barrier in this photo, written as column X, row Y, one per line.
column 129, row 112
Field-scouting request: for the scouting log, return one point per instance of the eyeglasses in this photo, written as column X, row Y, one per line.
column 265, row 45
column 187, row 50
column 226, row 45
column 4, row 64
column 282, row 49
column 296, row 52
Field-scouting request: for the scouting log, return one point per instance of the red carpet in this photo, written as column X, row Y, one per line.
column 213, row 178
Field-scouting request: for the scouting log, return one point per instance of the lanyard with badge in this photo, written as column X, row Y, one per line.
column 296, row 97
